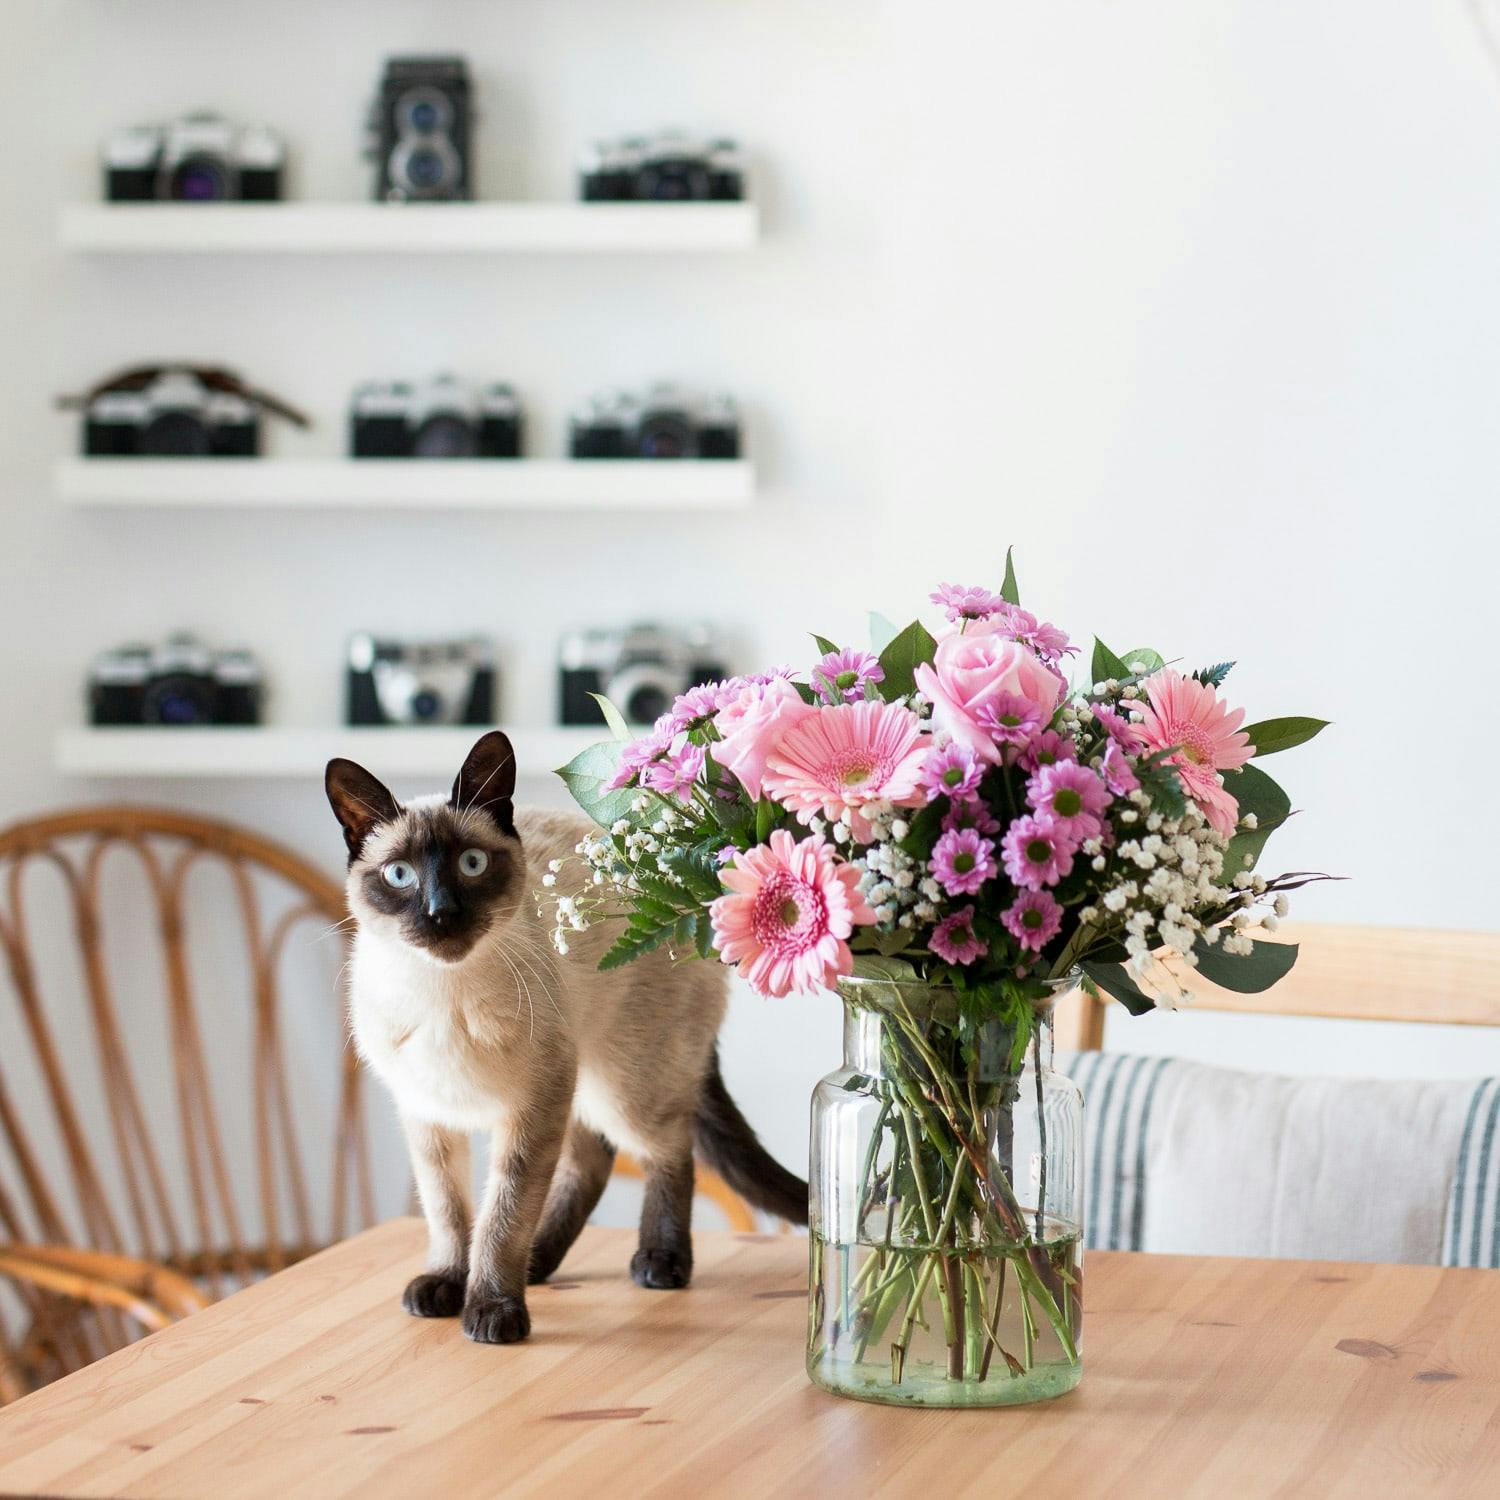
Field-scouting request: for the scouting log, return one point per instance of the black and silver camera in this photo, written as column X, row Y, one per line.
column 201, row 158
column 175, row 411
column 640, row 670
column 439, row 418
column 421, row 682
column 665, row 168
column 421, row 131
column 665, row 423
column 180, row 683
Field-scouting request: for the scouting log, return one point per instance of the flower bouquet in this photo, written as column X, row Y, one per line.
column 943, row 832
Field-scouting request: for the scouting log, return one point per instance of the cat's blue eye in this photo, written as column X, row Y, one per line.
column 473, row 862
column 400, row 875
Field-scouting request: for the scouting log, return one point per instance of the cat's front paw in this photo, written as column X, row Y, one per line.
column 499, row 1320
column 661, row 1270
column 433, row 1296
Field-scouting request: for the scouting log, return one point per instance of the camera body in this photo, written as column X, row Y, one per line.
column 666, row 168
column 175, row 416
column 640, row 669
column 421, row 131
column 201, row 158
column 406, row 683
column 665, row 423
column 438, row 418
column 180, row 683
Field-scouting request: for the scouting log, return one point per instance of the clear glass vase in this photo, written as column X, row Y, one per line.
column 947, row 1208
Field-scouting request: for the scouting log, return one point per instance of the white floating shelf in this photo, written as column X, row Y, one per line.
column 416, row 484
column 269, row 751
column 423, row 229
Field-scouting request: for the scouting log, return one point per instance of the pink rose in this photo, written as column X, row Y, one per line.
column 753, row 723
column 974, row 668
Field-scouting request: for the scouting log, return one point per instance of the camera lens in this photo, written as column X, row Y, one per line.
column 666, row 435
column 672, row 181
column 424, row 169
column 647, row 704
column 426, row 705
column 175, row 434
column 178, row 700
column 423, row 112
column 200, row 179
column 445, row 435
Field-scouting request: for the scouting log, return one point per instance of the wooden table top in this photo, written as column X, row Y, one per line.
column 1201, row 1377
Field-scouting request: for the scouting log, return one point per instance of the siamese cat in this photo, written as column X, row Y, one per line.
column 459, row 1002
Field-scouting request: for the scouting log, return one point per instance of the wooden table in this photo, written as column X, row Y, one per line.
column 1217, row 1378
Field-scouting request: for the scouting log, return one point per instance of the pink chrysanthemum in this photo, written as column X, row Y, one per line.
column 636, row 756
column 761, row 679
column 960, row 603
column 954, row 940
column 1047, row 749
column 1118, row 728
column 840, row 676
column 973, row 814
column 1037, row 853
column 701, row 702
column 1119, row 775
column 677, row 772
column 962, row 861
column 788, row 914
column 1010, row 718
column 1047, row 640
column 844, row 757
column 1034, row 920
column 1186, row 713
column 953, row 771
column 1071, row 797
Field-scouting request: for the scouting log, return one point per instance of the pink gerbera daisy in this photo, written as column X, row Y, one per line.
column 1037, row 853
column 1034, row 920
column 962, row 604
column 953, row 939
column 951, row 771
column 1071, row 797
column 973, row 815
column 1188, row 714
column 840, row 676
column 1046, row 749
column 844, row 757
column 962, row 861
column 788, row 914
column 1012, row 719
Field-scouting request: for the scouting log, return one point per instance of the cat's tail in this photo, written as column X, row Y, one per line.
column 728, row 1144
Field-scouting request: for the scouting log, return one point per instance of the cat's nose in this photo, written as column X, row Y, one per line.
column 441, row 904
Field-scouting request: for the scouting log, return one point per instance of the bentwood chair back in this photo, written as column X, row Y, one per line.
column 163, row 1139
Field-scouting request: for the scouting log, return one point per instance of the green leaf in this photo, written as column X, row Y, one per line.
column 1271, row 735
column 825, row 645
column 1114, row 980
column 1214, row 675
column 632, row 943
column 1009, row 590
column 585, row 777
column 877, row 966
column 1143, row 661
column 1106, row 664
column 1249, row 973
column 901, row 658
column 765, row 819
column 613, row 717
column 1256, row 793
column 882, row 632
column 892, row 943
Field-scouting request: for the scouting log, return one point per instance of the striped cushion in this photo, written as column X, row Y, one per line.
column 1185, row 1158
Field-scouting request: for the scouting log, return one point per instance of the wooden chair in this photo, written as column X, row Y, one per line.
column 1347, row 973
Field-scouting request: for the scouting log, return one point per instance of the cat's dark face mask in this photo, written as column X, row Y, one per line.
column 437, row 874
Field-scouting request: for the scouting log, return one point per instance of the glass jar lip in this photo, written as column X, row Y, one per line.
column 879, row 992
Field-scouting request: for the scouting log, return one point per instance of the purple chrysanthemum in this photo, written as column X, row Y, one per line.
column 1071, row 797
column 701, row 702
column 762, row 679
column 1010, row 718
column 1119, row 775
column 962, row 861
column 840, row 676
column 1118, row 728
column 1037, row 853
column 954, row 941
column 636, row 756
column 953, row 771
column 961, row 603
column 1047, row 640
column 1047, row 749
column 676, row 773
column 1034, row 920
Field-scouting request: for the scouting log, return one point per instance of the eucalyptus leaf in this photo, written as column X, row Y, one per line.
column 1271, row 735
column 902, row 656
column 586, row 776
column 1249, row 973
column 882, row 632
column 1009, row 591
column 613, row 717
column 1143, row 661
column 1114, row 980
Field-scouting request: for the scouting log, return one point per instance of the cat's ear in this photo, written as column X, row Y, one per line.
column 488, row 780
column 359, row 802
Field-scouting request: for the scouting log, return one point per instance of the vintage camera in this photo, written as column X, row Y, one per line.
column 421, row 682
column 175, row 416
column 421, row 131
column 665, row 168
column 201, row 158
column 180, row 682
column 640, row 670
column 440, row 418
column 665, row 423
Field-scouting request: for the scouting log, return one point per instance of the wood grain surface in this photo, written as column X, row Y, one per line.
column 1214, row 1378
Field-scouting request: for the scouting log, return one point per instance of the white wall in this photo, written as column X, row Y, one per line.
column 1194, row 302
